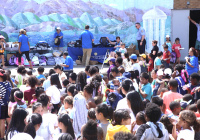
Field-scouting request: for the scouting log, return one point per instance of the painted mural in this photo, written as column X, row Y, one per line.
column 108, row 18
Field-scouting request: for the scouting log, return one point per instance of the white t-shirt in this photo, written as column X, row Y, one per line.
column 10, row 136
column 38, row 138
column 123, row 50
column 186, row 134
column 136, row 66
column 54, row 93
column 61, row 76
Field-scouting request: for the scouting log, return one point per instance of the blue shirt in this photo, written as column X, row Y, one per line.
column 148, row 90
column 68, row 61
column 86, row 38
column 193, row 62
column 117, row 44
column 140, row 33
column 157, row 62
column 61, row 40
column 40, row 76
column 23, row 39
column 46, row 84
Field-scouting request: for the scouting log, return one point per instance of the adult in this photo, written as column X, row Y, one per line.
column 155, row 49
column 24, row 48
column 197, row 45
column 58, row 37
column 140, row 38
column 87, row 39
column 192, row 65
column 68, row 65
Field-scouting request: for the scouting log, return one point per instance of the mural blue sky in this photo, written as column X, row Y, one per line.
column 125, row 4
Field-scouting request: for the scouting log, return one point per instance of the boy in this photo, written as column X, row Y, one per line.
column 175, row 107
column 176, row 48
column 166, row 57
column 151, row 64
column 171, row 95
column 145, row 89
column 68, row 62
column 72, row 78
column 117, row 44
column 135, row 65
column 157, row 61
column 40, row 72
column 123, row 49
column 2, row 41
column 112, row 64
column 159, row 102
column 64, row 86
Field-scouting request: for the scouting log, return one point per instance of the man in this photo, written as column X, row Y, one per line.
column 87, row 39
column 140, row 38
column 68, row 62
column 117, row 44
column 58, row 35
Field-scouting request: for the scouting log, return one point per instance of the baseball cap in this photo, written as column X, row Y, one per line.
column 160, row 72
column 184, row 104
column 143, row 55
column 167, row 36
column 168, row 71
column 126, row 75
column 112, row 60
column 133, row 56
column 2, row 37
column 58, row 28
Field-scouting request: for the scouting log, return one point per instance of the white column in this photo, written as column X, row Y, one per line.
column 145, row 24
column 150, row 35
column 162, row 34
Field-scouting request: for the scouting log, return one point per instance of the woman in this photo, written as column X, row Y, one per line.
column 17, row 123
column 59, row 70
column 24, row 47
column 155, row 49
column 33, row 125
column 54, row 93
column 81, row 80
column 192, row 65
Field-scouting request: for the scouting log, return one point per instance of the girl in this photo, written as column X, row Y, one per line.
column 46, row 129
column 126, row 62
column 176, row 48
column 143, row 62
column 54, row 93
column 81, row 81
column 18, row 96
column 154, row 76
column 65, row 124
column 38, row 91
column 21, row 71
column 190, row 125
column 12, row 102
column 87, row 92
column 68, row 105
column 59, row 70
column 37, row 108
column 17, row 123
column 33, row 125
column 104, row 113
column 168, row 43
column 121, row 118
column 71, row 90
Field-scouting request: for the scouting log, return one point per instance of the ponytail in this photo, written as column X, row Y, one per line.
column 159, row 131
column 196, row 125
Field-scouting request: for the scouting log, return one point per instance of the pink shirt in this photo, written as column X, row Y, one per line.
column 168, row 97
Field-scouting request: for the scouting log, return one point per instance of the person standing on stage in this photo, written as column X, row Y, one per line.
column 87, row 39
column 58, row 35
column 140, row 38
column 24, row 48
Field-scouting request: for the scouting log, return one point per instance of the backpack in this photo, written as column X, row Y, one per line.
column 42, row 61
column 12, row 60
column 17, row 63
column 35, row 60
column 51, row 61
column 173, row 57
column 57, row 41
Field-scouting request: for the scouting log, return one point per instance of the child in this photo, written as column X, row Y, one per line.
column 145, row 88
column 123, row 49
column 140, row 118
column 168, row 43
column 19, row 78
column 142, row 63
column 166, row 57
column 105, row 78
column 126, row 62
column 2, row 41
column 91, row 114
column 65, row 83
column 38, row 91
column 104, row 113
column 159, row 102
column 135, row 65
column 159, row 83
column 168, row 125
column 154, row 77
column 175, row 107
column 151, row 64
column 40, row 72
column 98, row 100
column 18, row 95
column 112, row 64
column 188, row 121
column 68, row 104
column 157, row 61
column 121, row 118
column 117, row 44
column 29, row 72
column 162, row 91
column 116, row 84
column 176, row 48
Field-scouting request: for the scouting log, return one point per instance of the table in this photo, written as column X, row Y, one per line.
column 98, row 53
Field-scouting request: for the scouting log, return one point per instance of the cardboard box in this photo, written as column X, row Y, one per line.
column 93, row 62
column 78, row 62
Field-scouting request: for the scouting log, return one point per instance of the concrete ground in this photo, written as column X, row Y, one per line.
column 76, row 69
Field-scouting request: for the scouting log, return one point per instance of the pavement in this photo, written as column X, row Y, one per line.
column 76, row 69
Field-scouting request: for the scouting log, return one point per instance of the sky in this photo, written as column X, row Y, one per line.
column 125, row 4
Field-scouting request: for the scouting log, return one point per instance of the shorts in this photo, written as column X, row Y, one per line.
column 197, row 45
column 4, row 112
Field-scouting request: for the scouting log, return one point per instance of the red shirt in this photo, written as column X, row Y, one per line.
column 150, row 67
column 197, row 114
column 28, row 95
column 166, row 54
column 176, row 48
